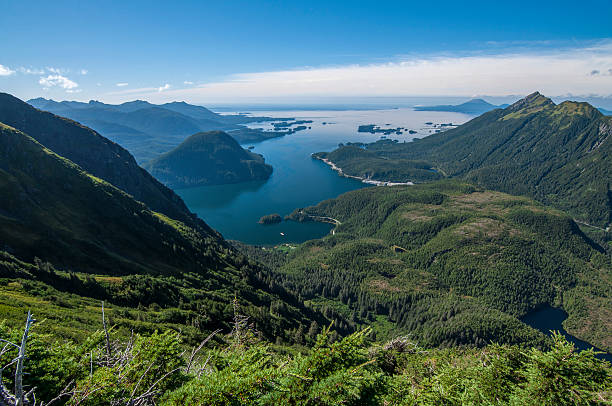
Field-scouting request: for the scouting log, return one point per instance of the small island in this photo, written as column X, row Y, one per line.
column 270, row 219
column 373, row 129
column 284, row 125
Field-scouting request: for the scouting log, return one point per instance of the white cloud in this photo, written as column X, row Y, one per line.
column 187, row 82
column 123, row 84
column 5, row 71
column 57, row 71
column 59, row 81
column 31, row 71
column 553, row 72
column 74, row 90
column 164, row 87
column 83, row 71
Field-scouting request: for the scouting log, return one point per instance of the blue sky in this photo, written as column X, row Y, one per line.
column 234, row 50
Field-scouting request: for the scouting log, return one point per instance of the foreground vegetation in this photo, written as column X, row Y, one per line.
column 242, row 370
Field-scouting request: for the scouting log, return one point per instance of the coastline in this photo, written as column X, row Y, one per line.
column 336, row 168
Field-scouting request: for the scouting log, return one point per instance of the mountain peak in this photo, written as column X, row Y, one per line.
column 532, row 102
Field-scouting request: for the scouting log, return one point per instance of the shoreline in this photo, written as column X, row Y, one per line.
column 336, row 168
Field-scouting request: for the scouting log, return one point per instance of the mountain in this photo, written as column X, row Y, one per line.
column 451, row 264
column 558, row 154
column 96, row 155
column 148, row 130
column 445, row 264
column 208, row 158
column 175, row 116
column 473, row 107
column 197, row 112
column 69, row 239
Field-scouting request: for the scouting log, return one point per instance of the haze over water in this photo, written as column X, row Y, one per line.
column 298, row 180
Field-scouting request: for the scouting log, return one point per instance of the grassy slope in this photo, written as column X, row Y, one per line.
column 114, row 248
column 96, row 155
column 445, row 259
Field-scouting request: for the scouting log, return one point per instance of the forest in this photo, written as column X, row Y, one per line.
column 415, row 298
column 452, row 264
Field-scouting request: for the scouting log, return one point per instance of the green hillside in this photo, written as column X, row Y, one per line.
column 67, row 234
column 96, row 155
column 357, row 161
column 451, row 264
column 208, row 158
column 557, row 154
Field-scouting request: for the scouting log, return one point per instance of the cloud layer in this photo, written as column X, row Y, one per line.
column 576, row 71
column 5, row 71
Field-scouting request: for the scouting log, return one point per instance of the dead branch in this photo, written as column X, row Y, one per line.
column 108, row 345
column 20, row 361
column 197, row 349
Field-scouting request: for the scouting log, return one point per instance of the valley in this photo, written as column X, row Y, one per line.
column 297, row 179
column 256, row 203
column 452, row 264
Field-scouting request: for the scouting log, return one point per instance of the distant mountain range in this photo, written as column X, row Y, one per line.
column 474, row 107
column 148, row 130
column 208, row 158
column 559, row 154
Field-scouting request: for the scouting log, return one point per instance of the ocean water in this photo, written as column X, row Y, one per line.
column 298, row 180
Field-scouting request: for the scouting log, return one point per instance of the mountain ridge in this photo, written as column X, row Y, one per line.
column 558, row 154
column 148, row 130
column 65, row 233
column 96, row 155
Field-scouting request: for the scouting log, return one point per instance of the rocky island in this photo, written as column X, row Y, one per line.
column 270, row 219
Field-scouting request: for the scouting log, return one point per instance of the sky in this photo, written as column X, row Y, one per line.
column 212, row 52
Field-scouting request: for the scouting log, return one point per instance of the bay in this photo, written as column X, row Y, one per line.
column 298, row 180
